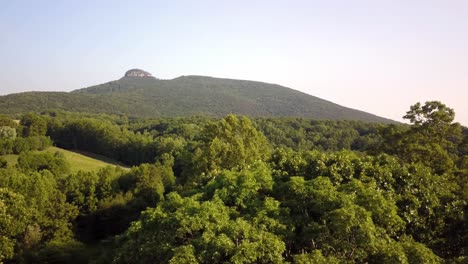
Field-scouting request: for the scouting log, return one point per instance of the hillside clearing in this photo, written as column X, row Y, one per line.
column 78, row 161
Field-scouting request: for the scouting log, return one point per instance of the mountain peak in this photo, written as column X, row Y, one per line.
column 139, row 94
column 137, row 73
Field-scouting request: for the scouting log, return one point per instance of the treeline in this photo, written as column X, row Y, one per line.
column 28, row 135
column 145, row 140
column 142, row 140
column 236, row 190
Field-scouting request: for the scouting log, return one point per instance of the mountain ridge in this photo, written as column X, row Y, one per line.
column 147, row 96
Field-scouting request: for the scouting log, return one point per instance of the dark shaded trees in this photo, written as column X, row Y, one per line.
column 33, row 125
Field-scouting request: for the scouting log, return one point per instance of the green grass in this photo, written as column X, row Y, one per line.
column 78, row 161
column 85, row 161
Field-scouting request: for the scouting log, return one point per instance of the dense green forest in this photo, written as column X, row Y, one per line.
column 185, row 96
column 235, row 190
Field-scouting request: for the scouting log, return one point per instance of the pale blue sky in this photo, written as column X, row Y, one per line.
column 374, row 55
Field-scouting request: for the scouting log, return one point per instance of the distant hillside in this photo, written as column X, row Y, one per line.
column 39, row 101
column 142, row 95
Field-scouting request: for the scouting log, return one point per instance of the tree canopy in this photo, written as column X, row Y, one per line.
column 235, row 190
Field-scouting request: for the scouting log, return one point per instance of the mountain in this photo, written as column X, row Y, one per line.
column 140, row 94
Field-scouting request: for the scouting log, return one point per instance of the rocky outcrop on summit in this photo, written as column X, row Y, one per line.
column 138, row 94
column 137, row 73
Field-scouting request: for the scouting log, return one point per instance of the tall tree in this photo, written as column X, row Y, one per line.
column 14, row 218
column 33, row 125
column 433, row 138
column 232, row 142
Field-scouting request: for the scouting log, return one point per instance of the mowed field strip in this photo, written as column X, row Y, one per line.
column 81, row 161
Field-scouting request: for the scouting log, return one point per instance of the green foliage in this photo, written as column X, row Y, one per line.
column 6, row 121
column 103, row 138
column 80, row 189
column 351, row 232
column 240, row 189
column 33, row 125
column 388, row 253
column 232, row 142
column 148, row 140
column 432, row 140
column 305, row 134
column 399, row 197
column 212, row 191
column 150, row 181
column 7, row 132
column 6, row 146
column 3, row 163
column 383, row 209
column 184, row 255
column 331, row 220
column 14, row 218
column 21, row 144
column 31, row 143
column 48, row 213
column 185, row 96
column 55, row 163
column 418, row 253
column 432, row 114
column 315, row 257
column 201, row 230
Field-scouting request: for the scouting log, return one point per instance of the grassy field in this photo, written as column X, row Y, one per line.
column 78, row 161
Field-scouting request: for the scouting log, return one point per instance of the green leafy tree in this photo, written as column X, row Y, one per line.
column 80, row 189
column 432, row 139
column 433, row 114
column 149, row 182
column 55, row 163
column 241, row 189
column 7, row 121
column 45, row 202
column 203, row 230
column 351, row 233
column 14, row 219
column 33, row 125
column 7, row 132
column 184, row 255
column 232, row 142
column 383, row 209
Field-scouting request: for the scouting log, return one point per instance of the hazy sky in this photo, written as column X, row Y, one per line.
column 375, row 55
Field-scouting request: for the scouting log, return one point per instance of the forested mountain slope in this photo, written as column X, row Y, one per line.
column 146, row 96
